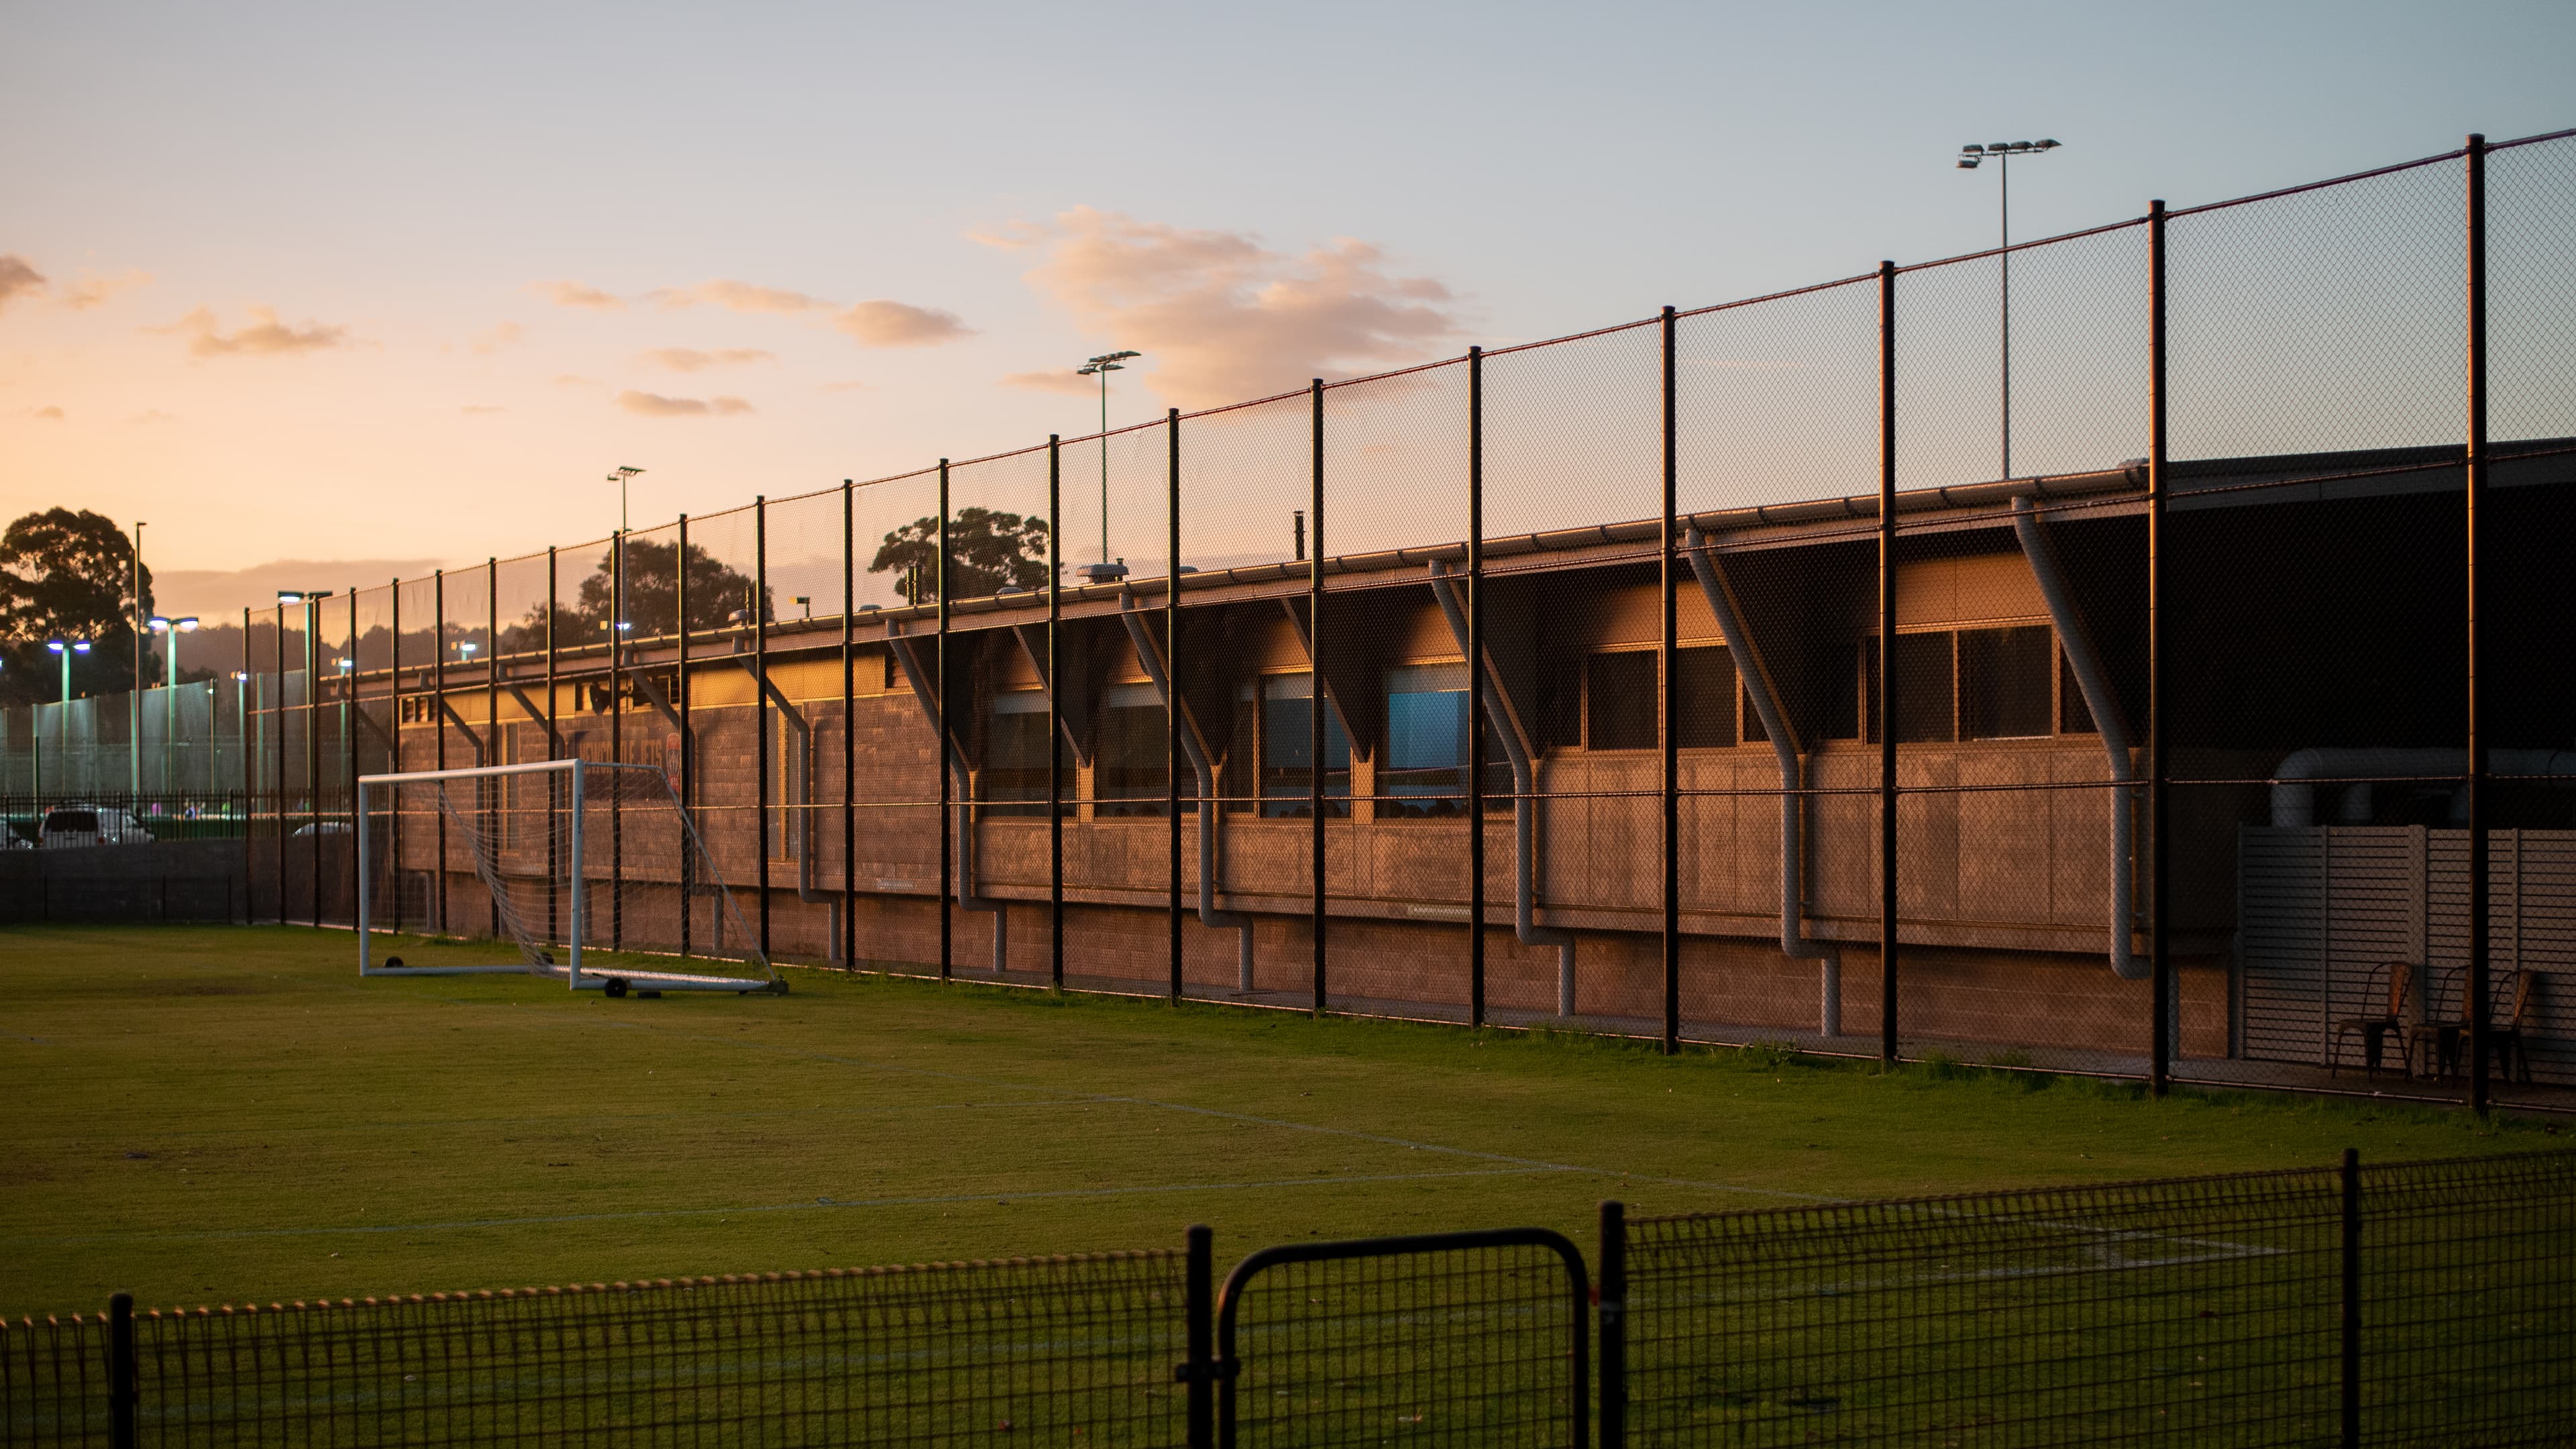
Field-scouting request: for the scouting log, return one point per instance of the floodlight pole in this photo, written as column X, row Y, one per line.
column 2001, row 153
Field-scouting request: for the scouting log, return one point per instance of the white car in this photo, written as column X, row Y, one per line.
column 68, row 826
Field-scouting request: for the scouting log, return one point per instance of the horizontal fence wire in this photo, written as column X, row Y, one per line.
column 2190, row 1311
column 1061, row 1350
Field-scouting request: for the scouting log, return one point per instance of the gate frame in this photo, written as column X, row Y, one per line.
column 1226, row 1367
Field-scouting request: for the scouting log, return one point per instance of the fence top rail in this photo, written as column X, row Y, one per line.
column 2055, row 1199
column 627, row 1287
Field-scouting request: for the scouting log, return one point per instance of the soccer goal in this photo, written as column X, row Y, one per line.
column 556, row 859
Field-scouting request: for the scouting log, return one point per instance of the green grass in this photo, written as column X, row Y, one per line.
column 220, row 1114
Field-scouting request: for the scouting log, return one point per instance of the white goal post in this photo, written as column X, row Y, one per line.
column 563, row 859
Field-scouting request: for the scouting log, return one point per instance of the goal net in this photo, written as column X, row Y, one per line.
column 575, row 867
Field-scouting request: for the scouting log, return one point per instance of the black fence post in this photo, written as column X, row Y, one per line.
column 1198, row 1327
column 437, row 714
column 348, row 743
column 490, row 790
column 1475, row 688
column 393, row 734
column 2159, row 807
column 759, row 695
column 1315, row 701
column 123, row 1381
column 849, row 941
column 1172, row 684
column 2349, row 1415
column 1665, row 724
column 1612, row 1293
column 2480, row 962
column 939, row 723
column 1886, row 700
column 1055, row 711
column 679, row 687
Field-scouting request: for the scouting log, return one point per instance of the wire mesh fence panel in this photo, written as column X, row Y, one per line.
column 2325, row 320
column 805, row 559
column 1952, row 384
column 2531, row 310
column 54, row 1381
column 895, row 872
column 1064, row 1350
column 1245, row 477
column 2162, row 1312
column 1776, row 401
column 2466, row 1308
column 999, row 541
column 520, row 606
column 1427, row 1341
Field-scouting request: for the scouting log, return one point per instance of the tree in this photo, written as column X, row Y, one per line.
column 716, row 593
column 986, row 550
column 67, row 575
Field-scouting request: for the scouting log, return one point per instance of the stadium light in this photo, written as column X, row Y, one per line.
column 1100, row 367
column 465, row 649
column 807, row 600
column 621, row 475
column 2002, row 154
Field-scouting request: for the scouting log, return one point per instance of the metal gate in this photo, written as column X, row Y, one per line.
column 1441, row 1338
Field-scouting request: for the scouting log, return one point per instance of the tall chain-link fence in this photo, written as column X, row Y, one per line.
column 2131, row 652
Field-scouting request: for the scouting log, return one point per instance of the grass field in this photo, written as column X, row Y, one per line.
column 219, row 1114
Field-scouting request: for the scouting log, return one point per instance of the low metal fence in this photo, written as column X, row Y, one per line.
column 2415, row 1303
column 2418, row 1303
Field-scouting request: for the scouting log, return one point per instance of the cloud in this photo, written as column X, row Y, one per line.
column 654, row 405
column 18, row 278
column 1221, row 317
column 1060, row 379
column 502, row 335
column 152, row 415
column 574, row 294
column 482, row 410
column 264, row 337
column 845, row 387
column 49, row 413
column 690, row 359
column 900, row 324
column 574, row 379
column 94, row 291
column 736, row 297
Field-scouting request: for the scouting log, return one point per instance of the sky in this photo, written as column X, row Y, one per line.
column 330, row 293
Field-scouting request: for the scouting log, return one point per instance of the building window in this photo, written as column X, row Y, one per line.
column 1279, row 710
column 1131, row 757
column 2003, row 683
column 1619, row 701
column 1015, row 754
column 2005, row 692
column 1704, row 697
column 1424, row 770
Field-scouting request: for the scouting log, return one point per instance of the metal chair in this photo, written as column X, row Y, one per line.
column 2405, row 1011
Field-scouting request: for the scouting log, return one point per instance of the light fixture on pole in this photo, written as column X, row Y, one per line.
column 621, row 476
column 2002, row 154
column 63, row 725
column 162, row 624
column 1108, row 569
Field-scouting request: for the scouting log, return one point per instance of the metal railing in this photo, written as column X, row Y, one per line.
column 2409, row 1303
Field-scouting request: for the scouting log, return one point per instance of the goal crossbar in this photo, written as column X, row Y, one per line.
column 702, row 878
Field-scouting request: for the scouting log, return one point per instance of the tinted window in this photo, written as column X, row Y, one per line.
column 1129, row 779
column 82, row 820
column 1923, row 682
column 1425, row 770
column 1619, row 701
column 2004, row 682
column 1703, row 698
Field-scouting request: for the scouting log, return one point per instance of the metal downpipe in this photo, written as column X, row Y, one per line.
column 1525, row 807
column 1765, row 694
column 2086, row 663
column 955, row 758
column 1211, row 810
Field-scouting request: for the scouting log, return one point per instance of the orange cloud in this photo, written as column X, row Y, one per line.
column 690, row 359
column 1060, row 379
column 264, row 337
column 18, row 278
column 1221, row 317
column 900, row 324
column 92, row 291
column 574, row 294
column 654, row 405
column 481, row 410
column 49, row 413
column 736, row 297
column 502, row 335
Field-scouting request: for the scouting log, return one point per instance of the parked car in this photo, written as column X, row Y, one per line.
column 323, row 827
column 68, row 826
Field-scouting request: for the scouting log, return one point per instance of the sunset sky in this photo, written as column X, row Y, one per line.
column 359, row 290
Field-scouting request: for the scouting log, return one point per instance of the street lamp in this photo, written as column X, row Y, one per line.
column 162, row 624
column 66, row 648
column 1100, row 367
column 620, row 476
column 2002, row 154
